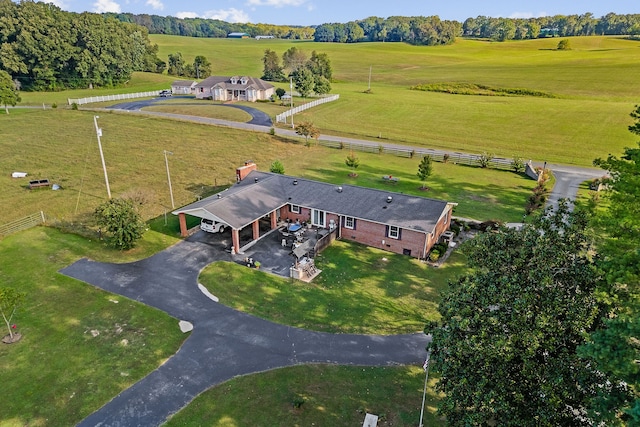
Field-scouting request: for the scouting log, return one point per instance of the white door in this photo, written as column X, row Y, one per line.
column 317, row 218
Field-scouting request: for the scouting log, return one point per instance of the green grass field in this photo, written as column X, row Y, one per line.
column 360, row 290
column 81, row 346
column 337, row 396
column 594, row 84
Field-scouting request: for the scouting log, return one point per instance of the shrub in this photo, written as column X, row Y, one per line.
column 272, row 131
column 517, row 164
column 485, row 159
column 445, row 158
column 74, row 106
column 297, row 401
column 434, row 255
column 455, row 228
column 54, row 105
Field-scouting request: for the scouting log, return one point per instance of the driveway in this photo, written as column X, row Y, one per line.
column 224, row 343
column 258, row 118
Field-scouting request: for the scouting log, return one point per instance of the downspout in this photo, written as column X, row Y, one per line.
column 424, row 251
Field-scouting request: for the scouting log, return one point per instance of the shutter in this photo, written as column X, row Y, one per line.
column 354, row 223
column 386, row 232
column 399, row 233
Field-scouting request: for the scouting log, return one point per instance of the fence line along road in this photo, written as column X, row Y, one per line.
column 22, row 223
column 437, row 155
column 282, row 117
column 81, row 101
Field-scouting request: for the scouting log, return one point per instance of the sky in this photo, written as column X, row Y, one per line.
column 316, row 12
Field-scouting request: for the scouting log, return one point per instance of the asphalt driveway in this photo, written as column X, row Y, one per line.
column 258, row 118
column 224, row 343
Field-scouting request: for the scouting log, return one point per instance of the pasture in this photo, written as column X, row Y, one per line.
column 594, row 87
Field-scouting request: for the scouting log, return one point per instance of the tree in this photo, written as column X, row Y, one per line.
column 352, row 162
column 277, row 167
column 176, row 64
column 506, row 345
column 202, row 67
column 8, row 92
column 10, row 299
column 304, row 81
column 321, row 85
column 614, row 346
column 425, row 168
column 120, row 218
column 564, row 44
column 280, row 92
column 308, row 130
column 272, row 70
column 320, row 65
column 294, row 59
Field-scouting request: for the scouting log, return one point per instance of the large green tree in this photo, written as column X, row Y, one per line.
column 201, row 67
column 425, row 169
column 616, row 346
column 294, row 59
column 304, row 81
column 272, row 70
column 506, row 347
column 122, row 221
column 8, row 93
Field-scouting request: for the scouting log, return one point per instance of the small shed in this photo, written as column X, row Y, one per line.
column 184, row 87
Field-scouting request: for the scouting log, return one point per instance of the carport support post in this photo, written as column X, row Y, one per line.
column 183, row 224
column 274, row 220
column 256, row 230
column 235, row 237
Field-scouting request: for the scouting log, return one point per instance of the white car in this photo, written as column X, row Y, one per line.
column 211, row 226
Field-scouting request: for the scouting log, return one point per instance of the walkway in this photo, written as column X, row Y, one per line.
column 224, row 343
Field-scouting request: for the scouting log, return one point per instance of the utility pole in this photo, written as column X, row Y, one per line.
column 369, row 89
column 426, row 377
column 104, row 167
column 166, row 162
column 291, row 91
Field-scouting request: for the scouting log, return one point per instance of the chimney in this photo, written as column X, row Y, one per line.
column 243, row 171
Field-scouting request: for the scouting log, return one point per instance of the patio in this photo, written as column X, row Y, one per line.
column 285, row 253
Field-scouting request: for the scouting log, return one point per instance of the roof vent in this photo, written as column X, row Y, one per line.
column 219, row 196
column 255, row 179
column 339, row 189
column 389, row 199
column 295, row 182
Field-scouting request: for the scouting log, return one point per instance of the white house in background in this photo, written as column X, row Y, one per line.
column 184, row 87
column 234, row 88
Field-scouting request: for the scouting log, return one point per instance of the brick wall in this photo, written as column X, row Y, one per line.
column 375, row 235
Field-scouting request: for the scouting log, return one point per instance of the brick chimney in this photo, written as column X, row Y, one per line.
column 243, row 171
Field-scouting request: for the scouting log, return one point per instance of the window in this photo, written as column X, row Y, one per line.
column 295, row 209
column 394, row 232
column 349, row 222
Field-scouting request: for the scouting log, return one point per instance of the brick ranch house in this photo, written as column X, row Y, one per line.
column 235, row 88
column 394, row 222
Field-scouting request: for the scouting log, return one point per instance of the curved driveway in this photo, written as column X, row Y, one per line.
column 224, row 343
column 258, row 118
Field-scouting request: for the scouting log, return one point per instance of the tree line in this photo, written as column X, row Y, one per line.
column 45, row 48
column 551, row 26
column 215, row 28
column 419, row 30
column 309, row 74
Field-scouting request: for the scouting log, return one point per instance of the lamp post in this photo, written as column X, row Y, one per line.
column 166, row 162
column 426, row 376
column 104, row 167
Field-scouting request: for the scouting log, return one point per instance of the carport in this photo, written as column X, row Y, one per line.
column 238, row 207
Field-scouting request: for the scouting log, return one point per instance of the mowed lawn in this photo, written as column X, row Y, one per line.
column 204, row 159
column 360, row 290
column 80, row 346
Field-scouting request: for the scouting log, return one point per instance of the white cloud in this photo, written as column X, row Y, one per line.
column 102, row 6
column 155, row 4
column 183, row 15
column 228, row 15
column 276, row 3
column 527, row 15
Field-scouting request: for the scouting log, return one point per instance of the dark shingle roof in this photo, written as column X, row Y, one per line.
column 262, row 192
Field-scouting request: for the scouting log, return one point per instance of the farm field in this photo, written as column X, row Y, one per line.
column 593, row 87
column 204, row 158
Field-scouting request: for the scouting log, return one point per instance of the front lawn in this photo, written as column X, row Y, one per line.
column 81, row 346
column 337, row 396
column 360, row 290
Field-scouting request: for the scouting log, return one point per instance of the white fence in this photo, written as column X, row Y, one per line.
column 105, row 98
column 22, row 224
column 282, row 118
